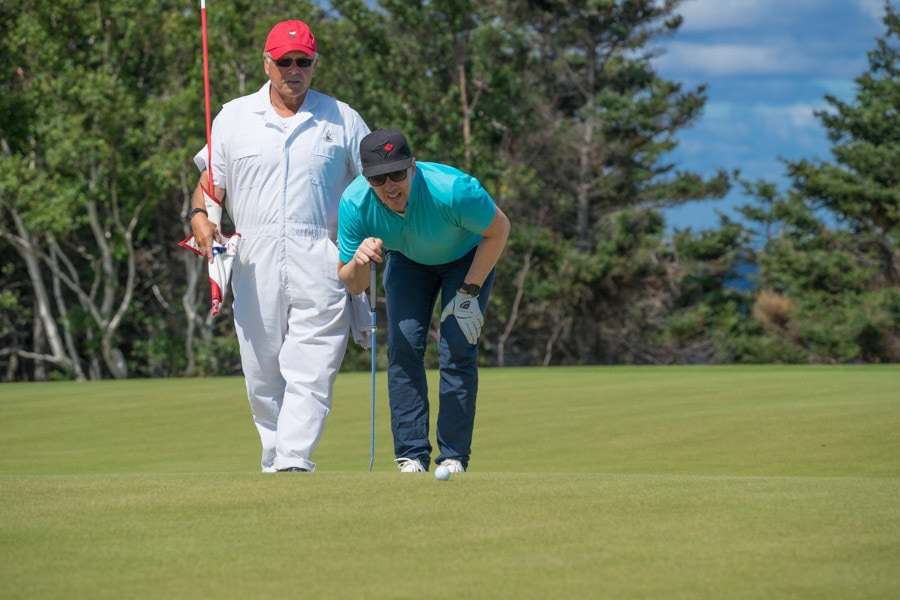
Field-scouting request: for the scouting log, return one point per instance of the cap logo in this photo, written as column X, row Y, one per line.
column 292, row 35
column 383, row 149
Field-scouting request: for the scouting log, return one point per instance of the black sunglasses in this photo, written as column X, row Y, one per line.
column 303, row 63
column 396, row 176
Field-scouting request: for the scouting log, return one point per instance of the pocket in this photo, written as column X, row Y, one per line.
column 332, row 256
column 326, row 165
column 246, row 167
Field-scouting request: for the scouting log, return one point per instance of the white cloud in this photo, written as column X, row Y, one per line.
column 768, row 64
column 842, row 89
column 786, row 120
column 733, row 116
column 749, row 38
column 740, row 136
column 731, row 60
column 872, row 8
column 706, row 15
column 718, row 110
column 716, row 15
column 774, row 58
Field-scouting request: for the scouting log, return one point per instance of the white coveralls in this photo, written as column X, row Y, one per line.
column 283, row 180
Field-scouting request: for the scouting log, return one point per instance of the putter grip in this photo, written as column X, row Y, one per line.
column 373, row 283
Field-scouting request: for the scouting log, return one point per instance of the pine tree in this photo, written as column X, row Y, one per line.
column 830, row 268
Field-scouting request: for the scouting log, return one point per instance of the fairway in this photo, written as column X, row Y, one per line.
column 592, row 482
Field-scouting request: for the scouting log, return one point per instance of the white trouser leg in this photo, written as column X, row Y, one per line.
column 289, row 312
column 259, row 336
column 310, row 359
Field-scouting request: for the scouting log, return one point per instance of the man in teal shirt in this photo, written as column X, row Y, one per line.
column 438, row 231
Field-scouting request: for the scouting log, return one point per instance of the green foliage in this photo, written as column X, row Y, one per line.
column 219, row 356
column 832, row 244
column 14, row 315
column 706, row 309
column 554, row 106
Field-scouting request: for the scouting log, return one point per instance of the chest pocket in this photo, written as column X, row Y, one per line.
column 326, row 165
column 246, row 166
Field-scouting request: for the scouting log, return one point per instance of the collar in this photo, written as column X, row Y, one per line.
column 262, row 104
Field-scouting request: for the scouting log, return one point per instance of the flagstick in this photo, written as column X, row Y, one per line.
column 209, row 169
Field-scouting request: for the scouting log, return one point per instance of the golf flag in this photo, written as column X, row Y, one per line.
column 223, row 254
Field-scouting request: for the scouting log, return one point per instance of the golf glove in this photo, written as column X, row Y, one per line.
column 468, row 315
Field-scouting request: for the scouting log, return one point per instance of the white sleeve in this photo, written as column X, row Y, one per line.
column 201, row 159
column 356, row 131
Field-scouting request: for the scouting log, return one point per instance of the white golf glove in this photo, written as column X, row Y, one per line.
column 468, row 315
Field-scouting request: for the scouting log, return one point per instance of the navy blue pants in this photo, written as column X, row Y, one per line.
column 411, row 290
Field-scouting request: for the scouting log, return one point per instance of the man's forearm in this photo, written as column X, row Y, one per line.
column 354, row 275
column 489, row 250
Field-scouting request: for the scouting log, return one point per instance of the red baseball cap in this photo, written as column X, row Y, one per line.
column 288, row 36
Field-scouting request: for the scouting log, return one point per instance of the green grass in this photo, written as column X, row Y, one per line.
column 694, row 482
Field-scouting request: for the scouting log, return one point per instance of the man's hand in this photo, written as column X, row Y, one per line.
column 355, row 274
column 468, row 315
column 206, row 235
column 371, row 249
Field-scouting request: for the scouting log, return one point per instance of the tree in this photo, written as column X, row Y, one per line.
column 597, row 156
column 830, row 263
column 87, row 157
column 552, row 104
column 457, row 82
column 236, row 32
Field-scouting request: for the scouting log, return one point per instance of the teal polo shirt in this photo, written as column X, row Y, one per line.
column 447, row 211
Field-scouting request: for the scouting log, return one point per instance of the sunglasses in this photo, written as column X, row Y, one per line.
column 396, row 177
column 303, row 63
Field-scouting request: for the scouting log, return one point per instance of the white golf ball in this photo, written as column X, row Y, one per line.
column 442, row 473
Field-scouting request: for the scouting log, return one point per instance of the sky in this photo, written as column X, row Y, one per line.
column 767, row 65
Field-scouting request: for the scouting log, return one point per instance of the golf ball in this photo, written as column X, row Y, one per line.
column 442, row 473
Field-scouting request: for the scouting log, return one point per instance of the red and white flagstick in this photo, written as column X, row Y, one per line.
column 211, row 189
column 225, row 252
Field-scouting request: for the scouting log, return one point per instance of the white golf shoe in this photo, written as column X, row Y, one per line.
column 453, row 465
column 410, row 465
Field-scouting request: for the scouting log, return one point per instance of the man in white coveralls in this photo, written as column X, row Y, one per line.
column 281, row 157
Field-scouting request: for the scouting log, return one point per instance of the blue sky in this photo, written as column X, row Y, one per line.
column 768, row 65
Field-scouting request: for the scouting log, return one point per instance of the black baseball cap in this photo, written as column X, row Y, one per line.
column 384, row 151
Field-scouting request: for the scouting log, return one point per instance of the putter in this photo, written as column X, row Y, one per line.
column 372, row 329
